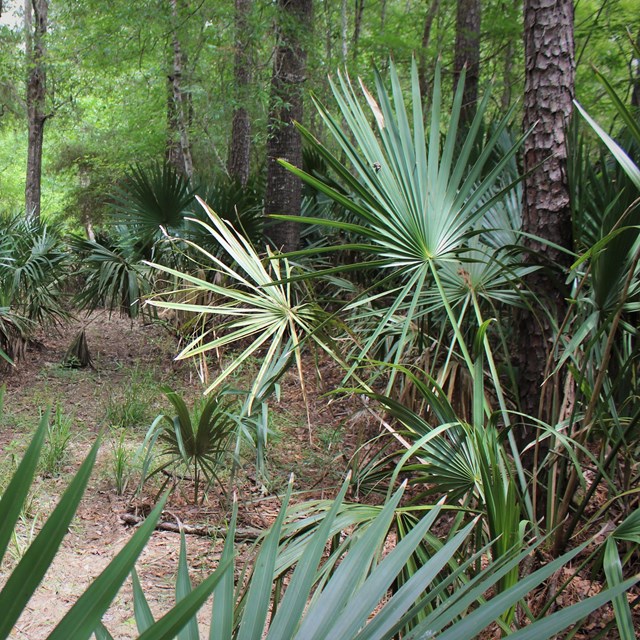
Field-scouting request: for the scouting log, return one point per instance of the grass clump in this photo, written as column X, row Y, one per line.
column 130, row 405
column 56, row 449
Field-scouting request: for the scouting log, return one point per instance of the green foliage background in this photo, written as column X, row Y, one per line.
column 108, row 64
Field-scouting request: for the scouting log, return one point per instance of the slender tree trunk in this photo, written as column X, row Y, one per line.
column 423, row 72
column 549, row 91
column 357, row 27
column 284, row 190
column 467, row 55
column 35, row 15
column 178, row 146
column 240, row 143
column 344, row 26
column 505, row 98
column 507, row 77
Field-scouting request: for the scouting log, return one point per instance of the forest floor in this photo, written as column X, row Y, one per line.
column 131, row 361
column 313, row 438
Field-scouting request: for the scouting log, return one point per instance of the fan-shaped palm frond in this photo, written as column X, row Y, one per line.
column 113, row 277
column 153, row 197
column 257, row 303
column 418, row 196
column 33, row 270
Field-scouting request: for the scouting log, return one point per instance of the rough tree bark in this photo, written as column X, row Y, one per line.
column 284, row 190
column 178, row 146
column 35, row 17
column 549, row 91
column 240, row 143
column 467, row 55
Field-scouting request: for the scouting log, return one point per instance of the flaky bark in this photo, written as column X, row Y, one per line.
column 549, row 91
column 35, row 29
column 467, row 55
column 240, row 143
column 284, row 190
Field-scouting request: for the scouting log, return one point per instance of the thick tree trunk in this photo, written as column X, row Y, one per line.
column 178, row 146
column 284, row 190
column 549, row 91
column 35, row 29
column 240, row 143
column 467, row 55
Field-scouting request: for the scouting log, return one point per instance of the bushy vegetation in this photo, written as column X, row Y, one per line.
column 419, row 319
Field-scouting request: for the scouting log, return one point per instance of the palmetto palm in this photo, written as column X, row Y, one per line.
column 600, row 334
column 352, row 593
column 418, row 195
column 360, row 584
column 198, row 441
column 255, row 302
column 113, row 275
column 153, row 197
column 33, row 270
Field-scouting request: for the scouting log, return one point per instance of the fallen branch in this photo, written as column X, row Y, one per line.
column 246, row 534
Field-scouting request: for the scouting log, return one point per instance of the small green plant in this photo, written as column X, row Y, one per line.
column 121, row 462
column 55, row 451
column 196, row 441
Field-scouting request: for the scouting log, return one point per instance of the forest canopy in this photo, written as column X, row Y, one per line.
column 108, row 67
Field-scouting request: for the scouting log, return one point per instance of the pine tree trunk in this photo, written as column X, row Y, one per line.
column 35, row 29
column 240, row 144
column 284, row 190
column 549, row 91
column 467, row 55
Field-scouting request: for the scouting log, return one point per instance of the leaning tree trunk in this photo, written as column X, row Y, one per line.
column 467, row 56
column 284, row 190
column 35, row 18
column 178, row 145
column 240, row 143
column 549, row 91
